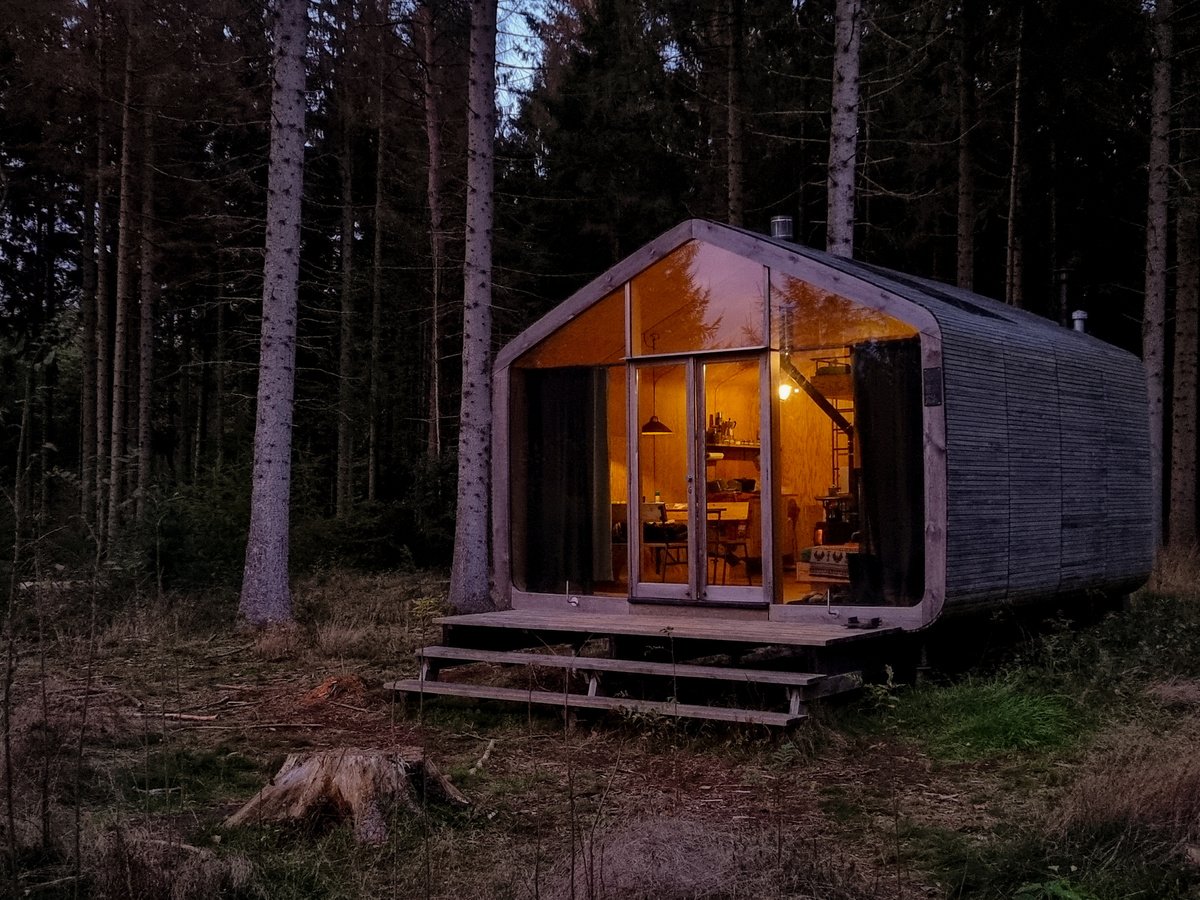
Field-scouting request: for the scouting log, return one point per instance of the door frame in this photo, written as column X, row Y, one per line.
column 696, row 591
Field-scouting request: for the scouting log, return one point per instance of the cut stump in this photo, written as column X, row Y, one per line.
column 363, row 786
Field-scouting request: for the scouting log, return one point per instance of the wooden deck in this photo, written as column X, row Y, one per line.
column 653, row 661
column 730, row 630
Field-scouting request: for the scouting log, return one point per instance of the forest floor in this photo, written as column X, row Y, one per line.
column 1067, row 766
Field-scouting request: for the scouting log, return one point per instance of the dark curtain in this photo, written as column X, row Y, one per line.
column 568, row 544
column 888, row 439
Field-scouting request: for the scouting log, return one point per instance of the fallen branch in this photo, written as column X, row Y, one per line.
column 486, row 753
column 267, row 725
column 360, row 709
column 182, row 717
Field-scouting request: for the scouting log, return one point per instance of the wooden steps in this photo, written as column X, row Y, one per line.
column 586, row 701
column 660, row 679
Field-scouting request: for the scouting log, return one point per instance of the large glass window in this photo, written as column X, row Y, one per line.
column 850, row 464
column 698, row 297
column 804, row 317
column 568, row 476
column 596, row 337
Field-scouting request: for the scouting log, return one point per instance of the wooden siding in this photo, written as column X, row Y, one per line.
column 977, row 468
column 1084, row 470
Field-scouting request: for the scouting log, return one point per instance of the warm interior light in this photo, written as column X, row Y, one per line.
column 785, row 390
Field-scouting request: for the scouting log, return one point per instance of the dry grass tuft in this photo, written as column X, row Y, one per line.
column 1142, row 781
column 1176, row 692
column 1178, row 573
column 136, row 863
column 44, row 738
column 279, row 643
column 334, row 639
column 672, row 859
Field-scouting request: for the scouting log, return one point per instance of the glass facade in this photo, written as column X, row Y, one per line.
column 790, row 471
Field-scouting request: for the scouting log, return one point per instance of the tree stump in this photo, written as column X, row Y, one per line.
column 360, row 785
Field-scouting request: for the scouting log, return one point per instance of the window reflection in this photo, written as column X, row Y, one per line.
column 698, row 297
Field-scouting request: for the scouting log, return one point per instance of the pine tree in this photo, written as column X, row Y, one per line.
column 469, row 576
column 266, row 596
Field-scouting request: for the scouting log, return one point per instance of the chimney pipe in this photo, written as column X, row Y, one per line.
column 781, row 228
column 1079, row 318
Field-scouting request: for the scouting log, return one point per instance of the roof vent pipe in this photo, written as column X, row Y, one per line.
column 1079, row 318
column 781, row 228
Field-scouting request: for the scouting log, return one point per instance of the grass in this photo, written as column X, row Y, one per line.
column 1023, row 863
column 1063, row 770
column 181, row 778
column 980, row 719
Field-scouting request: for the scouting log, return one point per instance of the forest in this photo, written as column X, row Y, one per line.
column 166, row 287
column 1042, row 153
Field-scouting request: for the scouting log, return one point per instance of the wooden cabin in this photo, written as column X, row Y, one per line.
column 729, row 437
column 726, row 419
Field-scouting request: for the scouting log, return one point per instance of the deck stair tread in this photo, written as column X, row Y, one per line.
column 526, row 638
column 630, row 666
column 585, row 701
column 755, row 631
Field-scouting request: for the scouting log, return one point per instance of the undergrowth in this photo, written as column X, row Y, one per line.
column 1055, row 800
column 978, row 719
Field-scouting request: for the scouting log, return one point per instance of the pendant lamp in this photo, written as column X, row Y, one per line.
column 654, row 426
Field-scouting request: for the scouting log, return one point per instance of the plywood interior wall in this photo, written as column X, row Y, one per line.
column 663, row 458
column 805, row 458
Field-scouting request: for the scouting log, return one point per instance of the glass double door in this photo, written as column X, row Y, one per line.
column 697, row 479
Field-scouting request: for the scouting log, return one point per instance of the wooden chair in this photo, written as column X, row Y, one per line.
column 668, row 544
column 727, row 542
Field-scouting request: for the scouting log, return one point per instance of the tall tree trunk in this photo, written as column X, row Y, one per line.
column 48, row 444
column 1155, row 308
column 120, row 360
column 437, row 235
column 1014, row 268
column 220, row 364
column 182, row 462
column 266, row 597
column 376, row 307
column 90, row 288
column 344, row 487
column 469, row 575
column 1182, row 522
column 843, row 128
column 967, row 116
column 344, row 483
column 103, row 360
column 199, row 435
column 1181, row 530
column 146, row 301
column 734, row 146
column 87, row 350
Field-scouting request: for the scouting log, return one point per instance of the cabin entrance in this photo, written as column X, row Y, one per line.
column 697, row 479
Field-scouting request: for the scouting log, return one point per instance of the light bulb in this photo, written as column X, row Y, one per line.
column 785, row 390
